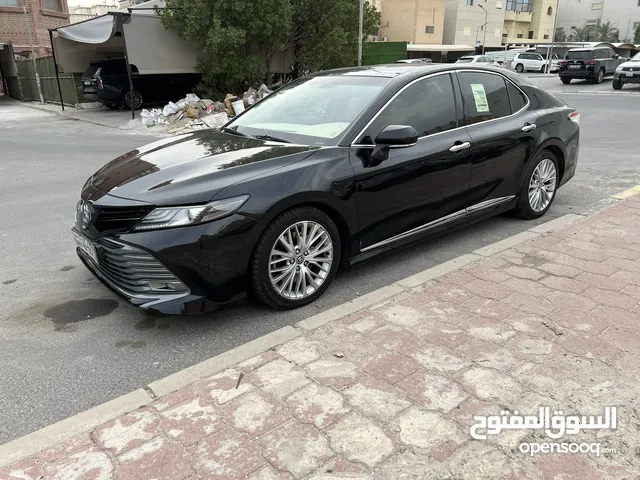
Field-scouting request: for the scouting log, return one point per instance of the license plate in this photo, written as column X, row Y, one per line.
column 86, row 246
column 574, row 66
column 629, row 74
column 87, row 82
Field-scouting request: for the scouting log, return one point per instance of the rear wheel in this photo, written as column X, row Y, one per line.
column 132, row 96
column 566, row 80
column 296, row 258
column 539, row 186
column 599, row 76
column 617, row 84
column 519, row 68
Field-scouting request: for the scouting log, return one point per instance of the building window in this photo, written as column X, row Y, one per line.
column 14, row 3
column 546, row 37
column 519, row 35
column 53, row 5
column 596, row 6
column 469, row 3
column 466, row 31
column 530, row 34
column 550, row 11
column 519, row 5
column 429, row 29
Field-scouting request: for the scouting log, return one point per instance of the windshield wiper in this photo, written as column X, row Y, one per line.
column 234, row 132
column 269, row 137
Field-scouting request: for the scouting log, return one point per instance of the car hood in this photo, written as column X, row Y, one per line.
column 191, row 168
column 635, row 65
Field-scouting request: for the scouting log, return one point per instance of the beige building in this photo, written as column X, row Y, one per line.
column 80, row 13
column 415, row 21
column 529, row 21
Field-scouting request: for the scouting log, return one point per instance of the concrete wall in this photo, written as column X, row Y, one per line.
column 463, row 22
column 622, row 13
column 13, row 27
column 406, row 20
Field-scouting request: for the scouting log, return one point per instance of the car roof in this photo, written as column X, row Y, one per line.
column 586, row 49
column 410, row 71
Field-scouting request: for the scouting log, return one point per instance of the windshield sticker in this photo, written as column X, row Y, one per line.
column 480, row 97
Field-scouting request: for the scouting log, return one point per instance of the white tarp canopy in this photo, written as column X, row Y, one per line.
column 151, row 48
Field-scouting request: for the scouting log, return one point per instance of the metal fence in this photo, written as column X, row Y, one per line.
column 24, row 86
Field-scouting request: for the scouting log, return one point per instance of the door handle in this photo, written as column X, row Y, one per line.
column 459, row 147
column 528, row 127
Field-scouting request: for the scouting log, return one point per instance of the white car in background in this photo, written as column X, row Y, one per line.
column 531, row 61
column 477, row 59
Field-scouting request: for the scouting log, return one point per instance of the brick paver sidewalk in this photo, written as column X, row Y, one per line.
column 389, row 392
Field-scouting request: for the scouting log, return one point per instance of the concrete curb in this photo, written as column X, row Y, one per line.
column 47, row 437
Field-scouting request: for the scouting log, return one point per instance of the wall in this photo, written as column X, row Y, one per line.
column 541, row 22
column 405, row 20
column 13, row 28
column 462, row 22
column 622, row 13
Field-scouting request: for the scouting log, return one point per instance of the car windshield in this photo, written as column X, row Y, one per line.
column 313, row 110
column 580, row 55
column 465, row 60
column 636, row 57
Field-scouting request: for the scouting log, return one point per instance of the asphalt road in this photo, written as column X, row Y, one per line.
column 67, row 343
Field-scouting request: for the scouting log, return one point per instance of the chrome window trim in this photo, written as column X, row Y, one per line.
column 448, row 72
column 478, row 207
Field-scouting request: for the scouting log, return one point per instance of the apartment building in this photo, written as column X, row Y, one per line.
column 81, row 13
column 529, row 21
column 622, row 14
column 41, row 14
column 415, row 21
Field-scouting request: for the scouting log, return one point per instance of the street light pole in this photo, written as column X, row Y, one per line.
column 360, row 28
column 33, row 54
column 553, row 38
column 484, row 36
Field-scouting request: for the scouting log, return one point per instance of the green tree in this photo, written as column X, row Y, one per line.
column 237, row 38
column 584, row 34
column 607, row 32
column 561, row 35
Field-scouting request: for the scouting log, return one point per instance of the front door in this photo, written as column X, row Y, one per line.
column 417, row 185
column 503, row 135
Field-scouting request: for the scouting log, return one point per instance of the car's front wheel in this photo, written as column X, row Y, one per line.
column 617, row 84
column 296, row 258
column 539, row 186
column 519, row 68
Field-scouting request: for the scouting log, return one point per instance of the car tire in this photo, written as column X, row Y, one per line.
column 599, row 77
column 519, row 68
column 543, row 69
column 270, row 282
column 540, row 178
column 616, row 84
column 565, row 80
column 137, row 96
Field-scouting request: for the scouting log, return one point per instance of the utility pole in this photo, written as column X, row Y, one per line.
column 33, row 54
column 553, row 38
column 484, row 36
column 360, row 29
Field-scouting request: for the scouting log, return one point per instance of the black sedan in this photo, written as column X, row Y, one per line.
column 329, row 170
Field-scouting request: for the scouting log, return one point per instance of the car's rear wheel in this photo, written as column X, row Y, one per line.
column 519, row 68
column 132, row 96
column 296, row 258
column 617, row 84
column 599, row 76
column 566, row 80
column 539, row 186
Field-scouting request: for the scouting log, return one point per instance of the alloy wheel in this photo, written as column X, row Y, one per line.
column 542, row 185
column 137, row 99
column 300, row 260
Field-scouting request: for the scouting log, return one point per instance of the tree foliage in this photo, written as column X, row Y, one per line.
column 239, row 38
column 584, row 34
column 607, row 32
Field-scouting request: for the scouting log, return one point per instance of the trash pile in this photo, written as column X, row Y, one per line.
column 193, row 113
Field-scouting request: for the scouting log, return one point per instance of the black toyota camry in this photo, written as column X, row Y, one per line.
column 327, row 171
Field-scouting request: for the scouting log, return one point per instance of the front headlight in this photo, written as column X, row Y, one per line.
column 166, row 217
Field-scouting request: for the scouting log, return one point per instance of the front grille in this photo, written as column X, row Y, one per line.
column 134, row 270
column 110, row 219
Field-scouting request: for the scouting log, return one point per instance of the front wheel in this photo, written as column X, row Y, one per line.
column 519, row 68
column 617, row 84
column 296, row 258
column 539, row 186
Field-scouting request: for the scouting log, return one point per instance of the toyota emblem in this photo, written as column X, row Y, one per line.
column 86, row 213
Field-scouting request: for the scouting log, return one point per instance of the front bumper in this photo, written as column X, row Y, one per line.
column 175, row 271
column 622, row 77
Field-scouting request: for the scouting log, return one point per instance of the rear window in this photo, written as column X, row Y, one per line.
column 465, row 60
column 91, row 70
column 584, row 55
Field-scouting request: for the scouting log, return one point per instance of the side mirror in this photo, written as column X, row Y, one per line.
column 393, row 136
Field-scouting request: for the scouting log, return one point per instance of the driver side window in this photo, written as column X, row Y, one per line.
column 428, row 105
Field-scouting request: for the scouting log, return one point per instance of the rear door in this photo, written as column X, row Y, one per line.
column 416, row 187
column 503, row 132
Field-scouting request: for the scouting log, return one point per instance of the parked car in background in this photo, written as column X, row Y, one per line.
column 107, row 82
column 328, row 170
column 528, row 61
column 627, row 72
column 593, row 64
column 555, row 62
column 415, row 60
column 481, row 59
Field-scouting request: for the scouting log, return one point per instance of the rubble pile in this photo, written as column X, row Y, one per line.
column 193, row 113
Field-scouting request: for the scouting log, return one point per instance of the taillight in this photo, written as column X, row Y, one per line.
column 100, row 86
column 564, row 62
column 575, row 117
column 589, row 62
